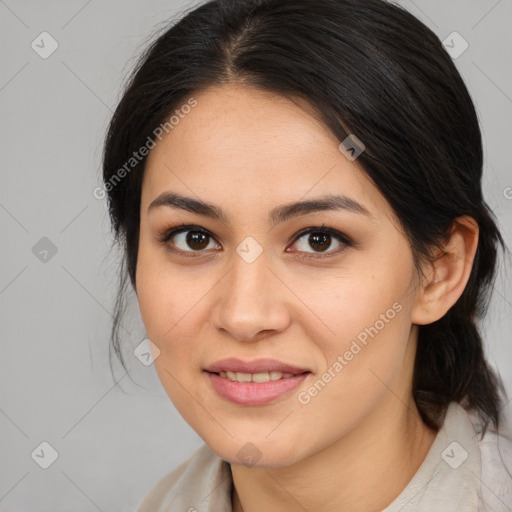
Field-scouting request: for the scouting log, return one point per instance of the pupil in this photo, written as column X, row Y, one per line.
column 318, row 241
column 197, row 240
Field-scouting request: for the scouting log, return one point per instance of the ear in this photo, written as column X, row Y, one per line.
column 447, row 276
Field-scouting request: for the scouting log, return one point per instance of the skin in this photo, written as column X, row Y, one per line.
column 249, row 151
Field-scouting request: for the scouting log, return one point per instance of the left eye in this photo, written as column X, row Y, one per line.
column 320, row 239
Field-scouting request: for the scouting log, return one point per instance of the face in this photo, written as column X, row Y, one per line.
column 326, row 292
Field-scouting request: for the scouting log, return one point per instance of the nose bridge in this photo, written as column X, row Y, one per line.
column 249, row 272
column 247, row 283
column 248, row 301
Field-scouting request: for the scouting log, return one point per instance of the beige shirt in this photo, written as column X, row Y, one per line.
column 461, row 473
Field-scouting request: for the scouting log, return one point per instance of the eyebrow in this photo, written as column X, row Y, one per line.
column 276, row 216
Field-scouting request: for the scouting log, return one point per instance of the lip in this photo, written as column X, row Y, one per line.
column 256, row 366
column 254, row 393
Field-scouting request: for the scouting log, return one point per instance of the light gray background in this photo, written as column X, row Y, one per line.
column 115, row 442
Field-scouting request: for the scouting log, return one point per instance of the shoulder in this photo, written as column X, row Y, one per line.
column 200, row 483
column 463, row 470
column 496, row 466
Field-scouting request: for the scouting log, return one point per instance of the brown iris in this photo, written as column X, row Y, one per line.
column 319, row 241
column 197, row 240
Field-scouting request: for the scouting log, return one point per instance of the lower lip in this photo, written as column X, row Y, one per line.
column 254, row 393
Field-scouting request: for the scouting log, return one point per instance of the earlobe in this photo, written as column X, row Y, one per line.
column 447, row 276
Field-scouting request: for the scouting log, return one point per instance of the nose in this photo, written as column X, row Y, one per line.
column 250, row 301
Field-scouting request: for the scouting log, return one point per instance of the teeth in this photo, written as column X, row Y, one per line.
column 260, row 377
column 243, row 377
column 255, row 377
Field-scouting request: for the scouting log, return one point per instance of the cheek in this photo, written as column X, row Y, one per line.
column 174, row 308
column 367, row 321
column 165, row 296
column 166, row 304
column 348, row 307
column 365, row 359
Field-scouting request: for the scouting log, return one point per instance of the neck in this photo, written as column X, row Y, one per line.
column 369, row 467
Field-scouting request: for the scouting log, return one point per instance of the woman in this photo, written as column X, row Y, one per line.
column 297, row 188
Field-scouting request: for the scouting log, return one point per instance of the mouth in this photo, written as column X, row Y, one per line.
column 254, row 367
column 255, row 377
column 256, row 382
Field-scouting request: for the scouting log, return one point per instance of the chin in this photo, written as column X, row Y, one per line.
column 257, row 453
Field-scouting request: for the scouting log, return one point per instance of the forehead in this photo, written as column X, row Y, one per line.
column 241, row 144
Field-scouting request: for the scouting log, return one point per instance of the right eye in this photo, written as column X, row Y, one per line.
column 187, row 239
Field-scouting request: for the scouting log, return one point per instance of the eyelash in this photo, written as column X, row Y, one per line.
column 342, row 238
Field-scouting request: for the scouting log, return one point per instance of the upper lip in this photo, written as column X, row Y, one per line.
column 255, row 366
